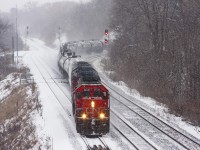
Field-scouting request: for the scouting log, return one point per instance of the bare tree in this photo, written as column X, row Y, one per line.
column 163, row 61
column 4, row 26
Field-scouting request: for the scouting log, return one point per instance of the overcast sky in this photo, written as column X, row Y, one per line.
column 6, row 5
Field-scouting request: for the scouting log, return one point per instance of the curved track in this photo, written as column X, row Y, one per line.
column 186, row 141
column 175, row 135
column 141, row 140
column 127, row 126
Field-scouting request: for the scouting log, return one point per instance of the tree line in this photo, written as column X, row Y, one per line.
column 77, row 21
column 6, row 33
column 157, row 51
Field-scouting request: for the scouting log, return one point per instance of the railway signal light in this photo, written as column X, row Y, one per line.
column 106, row 37
column 105, row 41
column 106, row 31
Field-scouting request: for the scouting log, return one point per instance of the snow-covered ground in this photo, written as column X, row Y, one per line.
column 57, row 121
column 18, row 108
column 5, row 86
column 148, row 103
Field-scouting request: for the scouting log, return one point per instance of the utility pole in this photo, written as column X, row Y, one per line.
column 17, row 32
column 13, row 50
column 59, row 35
column 27, row 31
column 13, row 46
column 26, row 36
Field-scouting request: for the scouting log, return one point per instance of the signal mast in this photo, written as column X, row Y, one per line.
column 106, row 37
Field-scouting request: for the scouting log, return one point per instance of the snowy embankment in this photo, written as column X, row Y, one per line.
column 146, row 102
column 18, row 106
column 7, row 85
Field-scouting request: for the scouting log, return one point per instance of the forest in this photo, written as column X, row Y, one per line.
column 4, row 34
column 5, row 48
column 156, row 51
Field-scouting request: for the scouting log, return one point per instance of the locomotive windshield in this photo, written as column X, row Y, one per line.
column 97, row 93
column 86, row 93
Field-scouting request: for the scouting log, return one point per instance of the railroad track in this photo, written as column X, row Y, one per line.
column 143, row 141
column 135, row 138
column 63, row 108
column 142, row 137
column 186, row 141
column 67, row 111
column 140, row 141
column 103, row 145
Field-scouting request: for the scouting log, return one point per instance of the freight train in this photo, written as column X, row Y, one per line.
column 90, row 99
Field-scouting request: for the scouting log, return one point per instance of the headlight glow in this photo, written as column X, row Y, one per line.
column 84, row 116
column 102, row 116
column 92, row 104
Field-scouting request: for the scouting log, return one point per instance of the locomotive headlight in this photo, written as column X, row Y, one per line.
column 84, row 116
column 102, row 115
column 92, row 104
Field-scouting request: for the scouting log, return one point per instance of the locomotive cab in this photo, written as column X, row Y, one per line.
column 91, row 109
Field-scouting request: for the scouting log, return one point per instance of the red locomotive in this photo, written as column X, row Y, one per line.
column 90, row 99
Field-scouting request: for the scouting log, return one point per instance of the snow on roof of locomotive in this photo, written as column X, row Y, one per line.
column 86, row 72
